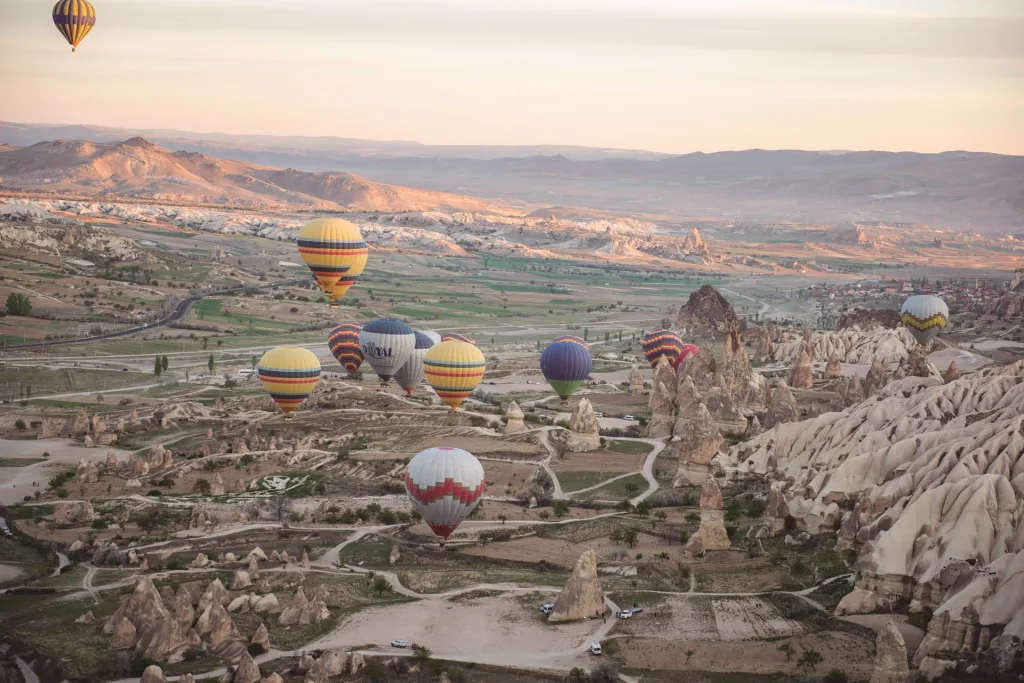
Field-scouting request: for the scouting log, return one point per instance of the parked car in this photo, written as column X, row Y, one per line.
column 595, row 648
column 628, row 417
column 625, row 614
column 547, row 607
column 637, row 609
column 598, row 414
column 398, row 643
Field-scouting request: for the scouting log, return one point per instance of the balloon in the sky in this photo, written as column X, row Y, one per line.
column 335, row 252
column 444, row 484
column 925, row 316
column 386, row 345
column 685, row 352
column 454, row 369
column 344, row 345
column 74, row 19
column 434, row 336
column 661, row 343
column 455, row 336
column 410, row 375
column 570, row 338
column 565, row 365
column 289, row 374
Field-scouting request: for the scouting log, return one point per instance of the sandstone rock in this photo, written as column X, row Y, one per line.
column 890, row 657
column 215, row 594
column 317, row 673
column 952, row 373
column 48, row 428
column 230, row 557
column 356, row 662
column 699, row 442
column 261, row 637
column 247, row 671
column 858, row 601
column 833, row 370
column 86, row 618
column 125, row 637
column 856, row 394
column 254, row 568
column 932, row 669
column 215, row 625
column 98, row 425
column 515, row 423
column 782, row 405
column 665, row 374
column 241, row 580
column 88, row 472
column 275, row 556
column 582, row 596
column 257, row 553
column 878, row 376
column 395, row 556
column 153, row 674
column 334, row 662
column 306, row 662
column 711, row 535
column 133, row 484
column 87, row 442
column 661, row 405
column 755, row 428
column 765, row 349
column 268, row 603
column 239, row 446
column 304, row 562
column 79, row 423
column 283, row 557
column 201, row 561
column 700, row 367
column 706, row 311
column 687, row 397
column 584, row 431
column 73, row 514
column 918, row 365
column 273, row 678
column 111, row 462
column 184, row 612
column 636, row 382
column 800, row 374
column 217, row 487
column 729, row 419
column 737, row 379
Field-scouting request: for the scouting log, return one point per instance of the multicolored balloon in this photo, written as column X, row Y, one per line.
column 455, row 336
column 386, row 344
column 74, row 19
column 335, row 252
column 289, row 374
column 566, row 365
column 444, row 485
column 454, row 369
column 570, row 338
column 925, row 316
column 410, row 375
column 344, row 345
column 661, row 343
column 685, row 352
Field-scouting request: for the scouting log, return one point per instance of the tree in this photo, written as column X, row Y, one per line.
column 163, row 363
column 560, row 508
column 202, row 486
column 158, row 367
column 376, row 672
column 381, row 586
column 690, row 653
column 835, row 676
column 252, row 362
column 502, row 518
column 149, row 519
column 62, row 492
column 809, row 660
column 630, row 537
column 28, row 391
column 660, row 515
column 787, row 649
column 643, row 509
column 606, row 672
column 692, row 517
column 422, row 656
column 18, row 304
column 631, row 488
column 586, row 333
column 577, row 675
column 281, row 507
column 19, row 424
column 209, row 363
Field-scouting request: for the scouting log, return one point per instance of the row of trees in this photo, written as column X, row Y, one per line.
column 18, row 304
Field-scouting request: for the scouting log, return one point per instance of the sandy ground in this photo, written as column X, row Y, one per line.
column 9, row 573
column 701, row 617
column 502, row 476
column 839, row 650
column 481, row 445
column 565, row 553
column 993, row 344
column 965, row 360
column 16, row 482
column 601, row 461
column 912, row 635
column 491, row 629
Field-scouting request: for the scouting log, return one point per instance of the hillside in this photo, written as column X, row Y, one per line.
column 139, row 169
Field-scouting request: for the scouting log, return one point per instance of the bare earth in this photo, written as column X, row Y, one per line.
column 599, row 462
column 9, row 573
column 565, row 553
column 16, row 482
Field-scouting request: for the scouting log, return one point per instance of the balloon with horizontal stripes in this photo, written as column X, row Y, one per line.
column 455, row 336
column 454, row 369
column 570, row 338
column 566, row 365
column 925, row 315
column 344, row 345
column 334, row 250
column 685, row 352
column 660, row 343
column 386, row 345
column 410, row 375
column 445, row 485
column 434, row 336
column 289, row 374
column 74, row 19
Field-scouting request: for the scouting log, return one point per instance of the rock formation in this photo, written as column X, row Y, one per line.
column 215, row 593
column 241, row 580
column 334, row 662
column 662, row 408
column 304, row 561
column 111, row 463
column 125, row 637
column 952, row 373
column 765, row 352
column 88, row 472
column 515, row 419
column 153, row 674
column 918, row 365
column 582, row 596
column 79, row 423
column 268, row 603
column 834, row 370
column 86, row 618
column 665, row 374
column 800, row 374
column 303, row 611
column 261, row 637
column 737, row 379
column 636, row 382
column 851, row 345
column 699, row 367
column 395, row 556
column 217, row 487
column 74, row 514
column 48, row 428
column 699, row 442
column 728, row 417
column 890, row 657
column 782, row 405
column 878, row 376
column 247, row 671
column 584, row 431
column 705, row 312
column 711, row 535
column 215, row 626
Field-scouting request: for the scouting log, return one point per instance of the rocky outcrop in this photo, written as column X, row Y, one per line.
column 833, row 370
column 728, row 417
column 737, row 379
column 395, row 556
column 853, row 345
column 73, row 514
column 699, row 442
column 636, row 382
column 878, row 376
column 217, row 488
column 153, row 674
column 515, row 419
column 801, row 375
column 261, row 637
column 890, row 657
column 918, row 365
column 247, row 671
column 125, row 636
column 765, row 352
column 711, row 535
column 334, row 662
column 782, row 407
column 215, row 594
column 582, row 596
column 662, row 409
column 241, row 580
column 584, row 431
column 88, row 472
column 215, row 626
column 665, row 374
column 706, row 312
column 699, row 367
column 303, row 611
column 79, row 423
column 952, row 373
column 268, row 603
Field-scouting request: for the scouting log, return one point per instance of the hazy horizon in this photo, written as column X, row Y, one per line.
column 672, row 76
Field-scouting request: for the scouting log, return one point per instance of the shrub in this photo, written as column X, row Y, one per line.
column 560, row 508
column 19, row 424
column 155, row 493
column 62, row 492
column 255, row 649
column 835, row 676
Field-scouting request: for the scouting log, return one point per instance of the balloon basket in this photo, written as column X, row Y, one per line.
column 333, row 305
column 288, row 418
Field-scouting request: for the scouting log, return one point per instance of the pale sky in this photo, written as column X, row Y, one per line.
column 666, row 75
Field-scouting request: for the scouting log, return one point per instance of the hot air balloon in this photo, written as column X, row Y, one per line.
column 434, row 336
column 570, row 338
column 74, row 19
column 444, row 485
column 455, row 336
column 410, row 375
column 454, row 369
column 925, row 316
column 335, row 252
column 386, row 345
column 289, row 374
column 565, row 365
column 685, row 352
column 344, row 344
column 661, row 343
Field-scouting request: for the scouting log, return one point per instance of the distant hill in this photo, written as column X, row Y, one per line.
column 140, row 169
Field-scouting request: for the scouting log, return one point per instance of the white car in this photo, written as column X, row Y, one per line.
column 547, row 607
column 595, row 648
column 630, row 418
column 625, row 614
column 598, row 414
column 398, row 643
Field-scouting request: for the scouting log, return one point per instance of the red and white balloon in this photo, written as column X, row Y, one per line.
column 444, row 484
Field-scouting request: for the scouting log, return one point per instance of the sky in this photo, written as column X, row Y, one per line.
column 666, row 75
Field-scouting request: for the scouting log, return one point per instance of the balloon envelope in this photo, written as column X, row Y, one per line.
column 685, row 352
column 455, row 336
column 566, row 365
column 335, row 252
column 661, row 343
column 444, row 484
column 925, row 316
column 289, row 374
column 410, row 375
column 454, row 369
column 74, row 19
column 434, row 336
column 386, row 344
column 344, row 345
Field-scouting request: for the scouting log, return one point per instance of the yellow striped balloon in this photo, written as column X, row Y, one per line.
column 289, row 374
column 335, row 252
column 74, row 19
column 454, row 369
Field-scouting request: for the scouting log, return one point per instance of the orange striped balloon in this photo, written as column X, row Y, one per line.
column 454, row 369
column 335, row 252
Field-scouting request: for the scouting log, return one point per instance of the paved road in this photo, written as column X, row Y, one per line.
column 179, row 312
